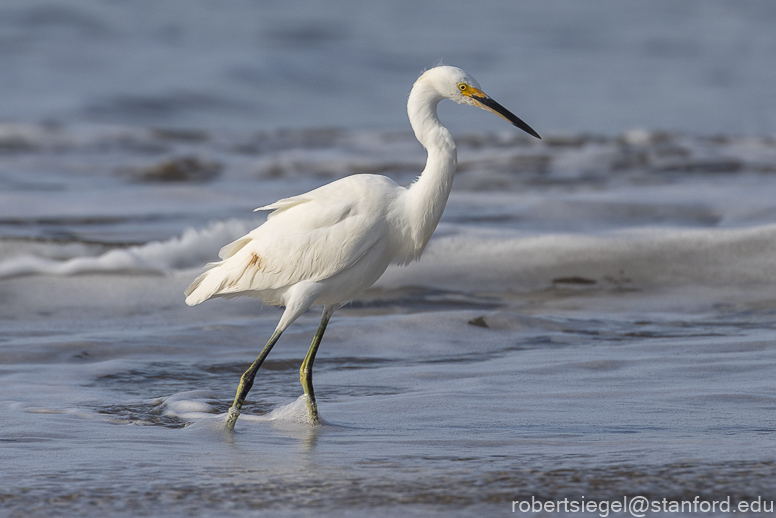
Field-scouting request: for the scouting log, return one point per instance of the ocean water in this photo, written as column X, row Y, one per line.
column 594, row 318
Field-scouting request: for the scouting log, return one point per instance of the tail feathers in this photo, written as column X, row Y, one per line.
column 196, row 293
column 210, row 284
column 224, row 279
column 219, row 275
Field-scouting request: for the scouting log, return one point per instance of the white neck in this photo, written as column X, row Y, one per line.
column 427, row 196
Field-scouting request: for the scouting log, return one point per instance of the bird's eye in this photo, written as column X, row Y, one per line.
column 462, row 87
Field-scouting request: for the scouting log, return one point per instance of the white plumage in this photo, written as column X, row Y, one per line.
column 328, row 245
column 309, row 238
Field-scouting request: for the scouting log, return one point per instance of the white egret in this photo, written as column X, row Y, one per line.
column 328, row 245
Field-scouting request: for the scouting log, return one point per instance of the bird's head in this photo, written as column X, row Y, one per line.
column 455, row 84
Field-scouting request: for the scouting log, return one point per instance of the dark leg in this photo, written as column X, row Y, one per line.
column 306, row 370
column 246, row 382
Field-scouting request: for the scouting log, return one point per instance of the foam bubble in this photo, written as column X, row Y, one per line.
column 189, row 405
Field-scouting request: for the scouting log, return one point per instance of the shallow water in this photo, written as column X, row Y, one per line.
column 598, row 326
column 594, row 316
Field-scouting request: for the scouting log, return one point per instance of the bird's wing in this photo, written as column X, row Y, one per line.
column 311, row 241
column 285, row 204
column 278, row 207
column 308, row 237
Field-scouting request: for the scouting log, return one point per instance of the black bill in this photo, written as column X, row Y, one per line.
column 496, row 108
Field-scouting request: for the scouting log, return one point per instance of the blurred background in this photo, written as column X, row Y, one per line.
column 594, row 315
column 699, row 66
